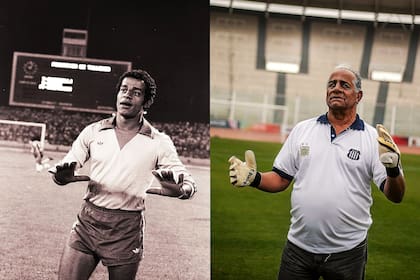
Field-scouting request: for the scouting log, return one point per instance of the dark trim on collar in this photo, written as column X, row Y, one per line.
column 110, row 123
column 358, row 123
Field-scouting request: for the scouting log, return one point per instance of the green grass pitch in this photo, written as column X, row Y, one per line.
column 249, row 227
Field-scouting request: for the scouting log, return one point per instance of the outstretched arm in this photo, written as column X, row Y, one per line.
column 64, row 174
column 394, row 188
column 273, row 182
column 170, row 186
column 246, row 174
column 171, row 173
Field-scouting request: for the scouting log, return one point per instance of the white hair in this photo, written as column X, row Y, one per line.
column 358, row 80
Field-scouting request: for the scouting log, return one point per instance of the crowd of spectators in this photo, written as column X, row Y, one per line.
column 192, row 139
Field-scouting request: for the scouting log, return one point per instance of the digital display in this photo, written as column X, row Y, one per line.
column 69, row 83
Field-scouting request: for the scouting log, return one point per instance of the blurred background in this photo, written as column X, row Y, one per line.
column 61, row 61
column 269, row 65
column 270, row 61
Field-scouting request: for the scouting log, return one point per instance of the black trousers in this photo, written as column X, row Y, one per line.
column 298, row 264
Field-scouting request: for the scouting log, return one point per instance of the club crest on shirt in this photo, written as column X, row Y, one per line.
column 304, row 149
column 353, row 154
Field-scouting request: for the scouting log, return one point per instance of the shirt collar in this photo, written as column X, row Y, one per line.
column 145, row 126
column 358, row 123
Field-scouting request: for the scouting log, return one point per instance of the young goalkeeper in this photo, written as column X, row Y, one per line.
column 332, row 160
column 125, row 152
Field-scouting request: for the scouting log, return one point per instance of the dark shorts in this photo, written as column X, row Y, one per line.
column 298, row 264
column 113, row 236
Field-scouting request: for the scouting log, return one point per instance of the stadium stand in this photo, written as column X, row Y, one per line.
column 233, row 62
column 191, row 139
column 242, row 41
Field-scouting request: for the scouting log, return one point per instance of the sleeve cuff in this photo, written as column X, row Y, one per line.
column 283, row 174
column 189, row 191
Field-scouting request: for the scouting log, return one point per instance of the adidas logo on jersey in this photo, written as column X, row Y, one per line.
column 136, row 251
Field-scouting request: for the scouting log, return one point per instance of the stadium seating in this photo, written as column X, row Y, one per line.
column 191, row 139
column 235, row 75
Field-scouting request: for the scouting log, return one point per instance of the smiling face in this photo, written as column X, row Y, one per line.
column 342, row 93
column 130, row 98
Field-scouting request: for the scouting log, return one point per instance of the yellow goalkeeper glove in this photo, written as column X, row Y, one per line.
column 244, row 173
column 389, row 154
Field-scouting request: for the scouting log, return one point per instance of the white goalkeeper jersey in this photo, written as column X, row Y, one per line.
column 121, row 176
column 331, row 196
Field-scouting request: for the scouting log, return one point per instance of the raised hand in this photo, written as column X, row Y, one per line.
column 169, row 186
column 243, row 173
column 64, row 174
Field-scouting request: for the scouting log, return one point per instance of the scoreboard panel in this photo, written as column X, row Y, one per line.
column 68, row 83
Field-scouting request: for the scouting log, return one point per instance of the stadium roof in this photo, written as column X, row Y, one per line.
column 408, row 7
column 397, row 11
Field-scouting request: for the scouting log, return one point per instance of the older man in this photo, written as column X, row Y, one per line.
column 332, row 159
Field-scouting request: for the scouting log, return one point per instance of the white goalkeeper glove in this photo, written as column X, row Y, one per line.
column 389, row 154
column 244, row 173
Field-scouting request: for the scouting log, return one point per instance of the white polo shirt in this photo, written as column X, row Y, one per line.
column 331, row 196
column 120, row 177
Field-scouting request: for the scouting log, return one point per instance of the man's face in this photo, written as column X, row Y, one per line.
column 341, row 90
column 130, row 98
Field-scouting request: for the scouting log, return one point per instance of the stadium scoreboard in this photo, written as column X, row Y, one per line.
column 68, row 83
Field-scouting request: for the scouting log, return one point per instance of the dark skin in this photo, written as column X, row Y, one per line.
column 342, row 98
column 130, row 103
column 130, row 107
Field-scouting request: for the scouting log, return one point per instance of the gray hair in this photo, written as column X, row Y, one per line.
column 357, row 81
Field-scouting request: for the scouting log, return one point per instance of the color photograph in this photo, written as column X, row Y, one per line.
column 314, row 139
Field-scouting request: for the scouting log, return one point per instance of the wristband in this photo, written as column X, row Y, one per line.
column 393, row 172
column 257, row 180
column 186, row 191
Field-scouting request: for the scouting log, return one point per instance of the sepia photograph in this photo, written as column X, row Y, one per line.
column 104, row 140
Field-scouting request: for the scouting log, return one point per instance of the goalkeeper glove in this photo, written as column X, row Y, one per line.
column 389, row 154
column 169, row 186
column 64, row 174
column 244, row 173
